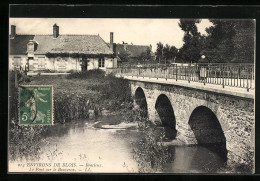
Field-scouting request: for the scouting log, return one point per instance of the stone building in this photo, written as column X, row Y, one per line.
column 60, row 53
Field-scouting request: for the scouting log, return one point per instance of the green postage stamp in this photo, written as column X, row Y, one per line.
column 36, row 105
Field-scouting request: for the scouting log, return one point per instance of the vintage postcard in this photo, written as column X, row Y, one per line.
column 128, row 96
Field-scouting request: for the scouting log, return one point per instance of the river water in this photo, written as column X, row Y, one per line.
column 82, row 147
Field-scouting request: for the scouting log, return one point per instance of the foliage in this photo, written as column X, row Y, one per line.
column 159, row 52
column 190, row 52
column 227, row 41
column 150, row 153
column 74, row 96
column 24, row 141
column 124, row 56
column 165, row 54
column 230, row 41
column 145, row 56
column 75, row 55
column 96, row 74
column 169, row 53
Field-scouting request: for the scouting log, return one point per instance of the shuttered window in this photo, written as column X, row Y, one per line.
column 17, row 62
column 41, row 63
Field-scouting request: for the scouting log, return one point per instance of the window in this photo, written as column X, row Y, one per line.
column 101, row 62
column 17, row 62
column 41, row 63
column 61, row 62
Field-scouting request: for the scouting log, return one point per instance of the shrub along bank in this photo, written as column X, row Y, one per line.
column 76, row 96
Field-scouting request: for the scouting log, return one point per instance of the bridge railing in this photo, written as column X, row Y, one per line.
column 233, row 75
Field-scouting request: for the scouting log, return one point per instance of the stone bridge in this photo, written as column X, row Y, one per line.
column 199, row 114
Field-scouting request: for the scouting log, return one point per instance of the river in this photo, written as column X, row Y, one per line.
column 83, row 147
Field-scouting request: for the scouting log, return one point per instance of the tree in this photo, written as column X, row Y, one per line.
column 146, row 56
column 164, row 54
column 230, row 41
column 193, row 41
column 124, row 56
column 169, row 53
column 159, row 52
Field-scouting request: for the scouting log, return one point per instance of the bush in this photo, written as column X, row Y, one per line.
column 72, row 101
column 24, row 141
column 69, row 107
column 150, row 154
column 95, row 73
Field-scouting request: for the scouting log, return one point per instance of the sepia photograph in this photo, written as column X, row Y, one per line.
column 131, row 95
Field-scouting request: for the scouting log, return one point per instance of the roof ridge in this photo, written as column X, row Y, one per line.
column 25, row 34
column 104, row 42
column 133, row 45
column 59, row 34
column 69, row 34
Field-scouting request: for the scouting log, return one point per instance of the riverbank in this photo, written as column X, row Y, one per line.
column 84, row 95
column 77, row 96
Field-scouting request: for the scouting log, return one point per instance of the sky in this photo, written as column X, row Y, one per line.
column 136, row 31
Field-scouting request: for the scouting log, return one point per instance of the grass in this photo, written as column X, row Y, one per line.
column 77, row 93
column 74, row 96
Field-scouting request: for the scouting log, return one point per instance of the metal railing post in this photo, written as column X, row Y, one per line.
column 176, row 73
column 166, row 73
column 247, row 88
column 223, row 84
column 189, row 70
column 156, row 73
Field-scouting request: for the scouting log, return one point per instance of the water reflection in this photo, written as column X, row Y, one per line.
column 153, row 157
column 124, row 150
column 195, row 159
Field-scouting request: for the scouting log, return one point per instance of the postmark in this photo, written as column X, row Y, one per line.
column 35, row 104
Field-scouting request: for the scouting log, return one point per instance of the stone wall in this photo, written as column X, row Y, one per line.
column 235, row 116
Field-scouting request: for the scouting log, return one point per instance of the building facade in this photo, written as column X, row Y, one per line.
column 60, row 53
column 133, row 53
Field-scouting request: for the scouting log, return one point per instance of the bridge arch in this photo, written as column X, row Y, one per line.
column 140, row 100
column 208, row 130
column 165, row 111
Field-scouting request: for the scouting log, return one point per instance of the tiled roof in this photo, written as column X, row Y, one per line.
column 132, row 50
column 18, row 45
column 86, row 44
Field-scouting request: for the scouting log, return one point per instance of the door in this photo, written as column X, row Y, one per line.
column 84, row 65
column 31, row 66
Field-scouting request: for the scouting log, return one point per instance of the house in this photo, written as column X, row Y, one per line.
column 60, row 53
column 133, row 52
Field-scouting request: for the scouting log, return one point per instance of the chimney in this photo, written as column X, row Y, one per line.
column 13, row 33
column 55, row 31
column 111, row 38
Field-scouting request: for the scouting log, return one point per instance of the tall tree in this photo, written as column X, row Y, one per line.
column 230, row 41
column 159, row 52
column 145, row 56
column 244, row 41
column 169, row 53
column 193, row 41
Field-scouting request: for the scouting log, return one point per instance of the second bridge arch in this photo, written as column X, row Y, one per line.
column 166, row 114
